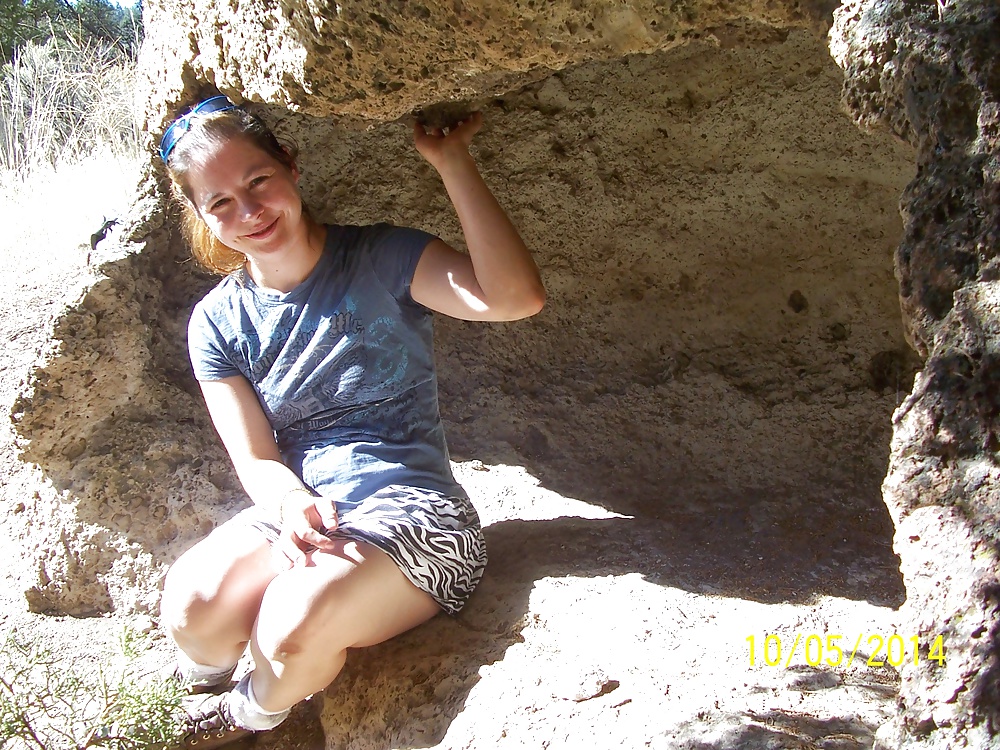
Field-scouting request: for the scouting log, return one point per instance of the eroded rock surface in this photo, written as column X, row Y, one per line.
column 717, row 362
column 380, row 59
column 930, row 73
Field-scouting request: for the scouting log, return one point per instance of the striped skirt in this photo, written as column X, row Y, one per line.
column 436, row 540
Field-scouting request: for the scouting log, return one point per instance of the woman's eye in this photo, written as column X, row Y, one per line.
column 257, row 180
column 218, row 204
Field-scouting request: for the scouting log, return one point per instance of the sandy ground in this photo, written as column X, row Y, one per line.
column 622, row 600
column 578, row 644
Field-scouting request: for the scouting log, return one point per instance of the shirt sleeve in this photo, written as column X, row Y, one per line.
column 207, row 347
column 395, row 252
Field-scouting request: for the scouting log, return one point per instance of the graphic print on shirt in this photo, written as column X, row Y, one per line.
column 389, row 366
column 313, row 347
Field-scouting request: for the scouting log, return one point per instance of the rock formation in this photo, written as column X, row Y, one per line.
column 380, row 59
column 930, row 73
column 721, row 351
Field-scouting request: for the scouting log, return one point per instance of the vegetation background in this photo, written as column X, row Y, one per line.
column 70, row 154
column 70, row 142
column 99, row 21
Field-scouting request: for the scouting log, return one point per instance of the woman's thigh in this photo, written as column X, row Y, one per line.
column 355, row 596
column 220, row 581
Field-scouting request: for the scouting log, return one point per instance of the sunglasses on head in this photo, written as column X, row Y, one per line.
column 183, row 123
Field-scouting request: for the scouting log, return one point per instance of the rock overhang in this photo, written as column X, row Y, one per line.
column 378, row 60
column 316, row 69
column 649, row 184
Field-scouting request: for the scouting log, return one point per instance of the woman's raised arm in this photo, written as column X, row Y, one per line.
column 497, row 280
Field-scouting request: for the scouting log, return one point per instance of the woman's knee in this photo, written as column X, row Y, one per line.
column 188, row 598
column 208, row 585
column 309, row 613
column 286, row 629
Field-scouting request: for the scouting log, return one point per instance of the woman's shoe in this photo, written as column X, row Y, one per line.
column 220, row 684
column 210, row 724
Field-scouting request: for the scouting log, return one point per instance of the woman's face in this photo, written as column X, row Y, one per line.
column 249, row 199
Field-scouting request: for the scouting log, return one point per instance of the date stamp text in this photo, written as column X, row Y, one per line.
column 873, row 650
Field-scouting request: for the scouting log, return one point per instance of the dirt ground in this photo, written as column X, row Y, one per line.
column 678, row 461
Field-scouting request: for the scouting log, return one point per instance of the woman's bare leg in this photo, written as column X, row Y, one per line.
column 212, row 594
column 310, row 616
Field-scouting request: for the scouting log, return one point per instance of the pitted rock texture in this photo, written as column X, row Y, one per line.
column 717, row 362
column 929, row 73
column 114, row 420
column 379, row 59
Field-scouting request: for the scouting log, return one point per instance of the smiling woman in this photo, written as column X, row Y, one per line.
column 189, row 144
column 250, row 202
column 314, row 355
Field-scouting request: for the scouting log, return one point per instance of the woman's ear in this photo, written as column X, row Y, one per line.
column 292, row 165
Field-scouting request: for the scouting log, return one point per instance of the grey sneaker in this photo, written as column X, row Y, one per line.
column 210, row 724
column 199, row 687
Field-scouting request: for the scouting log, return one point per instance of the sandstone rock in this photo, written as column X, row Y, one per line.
column 380, row 59
column 722, row 319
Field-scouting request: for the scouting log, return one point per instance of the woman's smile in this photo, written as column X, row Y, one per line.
column 263, row 234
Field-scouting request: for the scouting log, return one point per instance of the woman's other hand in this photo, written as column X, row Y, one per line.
column 497, row 280
column 441, row 147
column 304, row 519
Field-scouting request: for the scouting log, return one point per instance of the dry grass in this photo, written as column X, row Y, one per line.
column 70, row 150
column 63, row 99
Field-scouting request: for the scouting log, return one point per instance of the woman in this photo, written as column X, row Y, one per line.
column 314, row 358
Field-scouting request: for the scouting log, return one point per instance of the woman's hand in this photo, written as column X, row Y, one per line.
column 304, row 518
column 441, row 149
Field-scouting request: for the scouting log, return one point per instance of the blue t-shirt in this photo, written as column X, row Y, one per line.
column 342, row 364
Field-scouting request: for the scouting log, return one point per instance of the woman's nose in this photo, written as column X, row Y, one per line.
column 250, row 208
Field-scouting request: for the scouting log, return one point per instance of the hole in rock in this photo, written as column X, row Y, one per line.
column 676, row 204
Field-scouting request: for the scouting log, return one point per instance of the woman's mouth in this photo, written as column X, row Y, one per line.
column 263, row 233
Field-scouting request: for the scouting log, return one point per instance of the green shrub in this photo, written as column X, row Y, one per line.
column 49, row 703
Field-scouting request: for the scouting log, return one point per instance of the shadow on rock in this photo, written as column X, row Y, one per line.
column 774, row 730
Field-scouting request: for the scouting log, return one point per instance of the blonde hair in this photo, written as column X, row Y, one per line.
column 205, row 133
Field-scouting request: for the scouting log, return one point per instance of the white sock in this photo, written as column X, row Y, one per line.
column 204, row 674
column 247, row 712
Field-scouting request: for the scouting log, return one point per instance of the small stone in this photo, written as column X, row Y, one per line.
column 75, row 449
column 798, row 302
column 583, row 687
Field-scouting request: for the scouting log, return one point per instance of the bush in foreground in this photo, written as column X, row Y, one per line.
column 50, row 704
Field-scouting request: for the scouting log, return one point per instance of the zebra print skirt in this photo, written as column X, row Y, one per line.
column 436, row 540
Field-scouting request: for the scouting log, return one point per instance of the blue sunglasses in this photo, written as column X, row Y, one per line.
column 183, row 123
